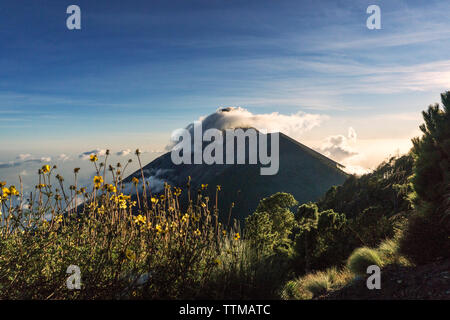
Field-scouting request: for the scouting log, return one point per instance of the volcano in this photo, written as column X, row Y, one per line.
column 303, row 172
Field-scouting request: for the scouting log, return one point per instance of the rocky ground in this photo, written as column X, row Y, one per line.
column 427, row 282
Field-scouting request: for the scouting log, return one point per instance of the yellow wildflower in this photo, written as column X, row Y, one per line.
column 101, row 210
column 11, row 191
column 123, row 197
column 111, row 188
column 6, row 192
column 122, row 204
column 46, row 169
column 93, row 158
column 140, row 219
column 185, row 218
column 177, row 192
column 237, row 236
column 130, row 255
column 98, row 181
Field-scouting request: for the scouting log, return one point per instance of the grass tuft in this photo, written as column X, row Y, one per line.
column 362, row 258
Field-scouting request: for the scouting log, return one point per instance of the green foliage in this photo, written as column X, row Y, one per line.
column 315, row 236
column 242, row 273
column 269, row 227
column 362, row 212
column 387, row 187
column 372, row 225
column 432, row 155
column 361, row 258
column 426, row 237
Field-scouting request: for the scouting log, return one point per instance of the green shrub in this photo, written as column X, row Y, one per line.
column 361, row 258
column 269, row 227
column 426, row 238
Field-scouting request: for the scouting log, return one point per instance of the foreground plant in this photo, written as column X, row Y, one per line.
column 124, row 245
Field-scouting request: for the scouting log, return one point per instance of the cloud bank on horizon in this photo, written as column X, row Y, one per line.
column 23, row 159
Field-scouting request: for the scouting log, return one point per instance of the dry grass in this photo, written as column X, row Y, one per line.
column 316, row 284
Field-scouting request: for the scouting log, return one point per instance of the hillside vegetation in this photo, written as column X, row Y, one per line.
column 149, row 247
column 399, row 214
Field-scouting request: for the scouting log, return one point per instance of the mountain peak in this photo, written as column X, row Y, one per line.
column 303, row 172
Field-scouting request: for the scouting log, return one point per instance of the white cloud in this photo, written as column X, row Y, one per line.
column 123, row 153
column 155, row 182
column 337, row 148
column 357, row 170
column 292, row 125
column 63, row 157
column 24, row 159
column 352, row 134
column 86, row 155
column 23, row 156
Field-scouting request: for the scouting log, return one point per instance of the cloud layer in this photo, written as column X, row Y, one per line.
column 24, row 159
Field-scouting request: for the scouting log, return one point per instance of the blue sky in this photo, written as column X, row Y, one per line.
column 139, row 69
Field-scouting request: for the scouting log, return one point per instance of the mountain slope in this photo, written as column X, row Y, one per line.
column 303, row 172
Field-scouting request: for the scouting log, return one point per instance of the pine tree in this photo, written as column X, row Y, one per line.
column 427, row 235
column 432, row 155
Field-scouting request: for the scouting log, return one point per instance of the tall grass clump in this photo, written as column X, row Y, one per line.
column 362, row 258
column 126, row 246
column 243, row 273
column 316, row 284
